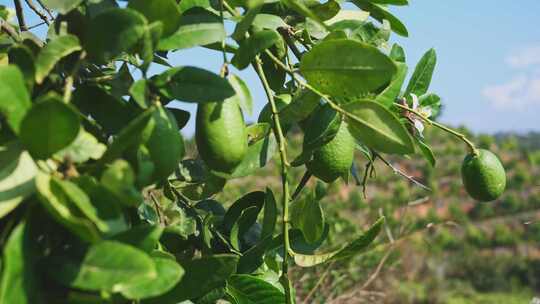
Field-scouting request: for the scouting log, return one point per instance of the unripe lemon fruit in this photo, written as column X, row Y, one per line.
column 483, row 175
column 335, row 158
column 221, row 135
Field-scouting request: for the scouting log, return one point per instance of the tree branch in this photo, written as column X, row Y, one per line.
column 20, row 15
column 37, row 11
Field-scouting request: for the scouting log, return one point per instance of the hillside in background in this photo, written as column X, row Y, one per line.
column 440, row 246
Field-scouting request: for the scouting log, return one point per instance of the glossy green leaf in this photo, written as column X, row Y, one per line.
column 270, row 214
column 308, row 216
column 14, row 97
column 181, row 117
column 268, row 21
column 140, row 93
column 83, row 148
column 53, row 52
column 380, row 13
column 388, row 96
column 192, row 84
column 252, row 199
column 110, row 112
column 346, row 68
column 242, row 96
column 23, row 58
column 326, row 10
column 421, row 78
column 49, row 126
column 246, row 289
column 355, row 247
column 257, row 156
column 201, row 276
column 254, row 45
column 62, row 6
column 164, row 11
column 19, row 279
column 129, row 137
column 245, row 23
column 113, row 32
column 106, row 265
column 252, row 258
column 431, row 101
column 62, row 209
column 303, row 103
column 16, row 177
column 397, row 53
column 426, row 152
column 198, row 27
column 169, row 274
column 376, row 127
column 301, row 8
column 119, row 179
column 242, row 225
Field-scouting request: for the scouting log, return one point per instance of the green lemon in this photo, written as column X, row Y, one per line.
column 221, row 135
column 335, row 158
column 164, row 143
column 483, row 176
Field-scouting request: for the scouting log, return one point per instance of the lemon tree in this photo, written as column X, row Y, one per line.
column 99, row 201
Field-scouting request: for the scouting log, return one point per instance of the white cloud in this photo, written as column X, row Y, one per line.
column 526, row 57
column 517, row 94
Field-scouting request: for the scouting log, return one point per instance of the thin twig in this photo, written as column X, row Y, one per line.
column 37, row 11
column 403, row 174
column 377, row 271
column 68, row 86
column 285, row 32
column 46, row 9
column 36, row 25
column 20, row 15
column 319, row 282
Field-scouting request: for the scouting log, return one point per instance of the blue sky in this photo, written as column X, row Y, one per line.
column 488, row 70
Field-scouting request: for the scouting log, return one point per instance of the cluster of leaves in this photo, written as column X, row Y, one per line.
column 97, row 200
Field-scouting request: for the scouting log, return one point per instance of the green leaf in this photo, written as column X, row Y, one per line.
column 397, row 53
column 53, row 52
column 327, row 10
column 16, row 177
column 426, row 152
column 246, row 289
column 242, row 96
column 307, row 215
column 113, row 32
column 270, row 214
column 62, row 6
column 378, row 128
column 22, row 57
column 268, row 21
column 57, row 203
column 198, row 27
column 379, row 13
column 169, row 274
column 129, row 137
column 140, row 92
column 106, row 265
column 252, row 258
column 164, row 11
column 19, row 279
column 201, row 276
column 192, row 84
column 355, row 247
column 254, row 45
column 392, row 2
column 14, row 97
column 432, row 101
column 346, row 68
column 245, row 23
column 257, row 156
column 242, row 225
column 252, row 199
column 303, row 10
column 421, row 78
column 389, row 95
column 119, row 179
column 49, row 126
column 83, row 148
column 302, row 104
column 181, row 116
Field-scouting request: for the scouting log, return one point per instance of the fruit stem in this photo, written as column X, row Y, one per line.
column 224, row 68
column 278, row 133
column 471, row 145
